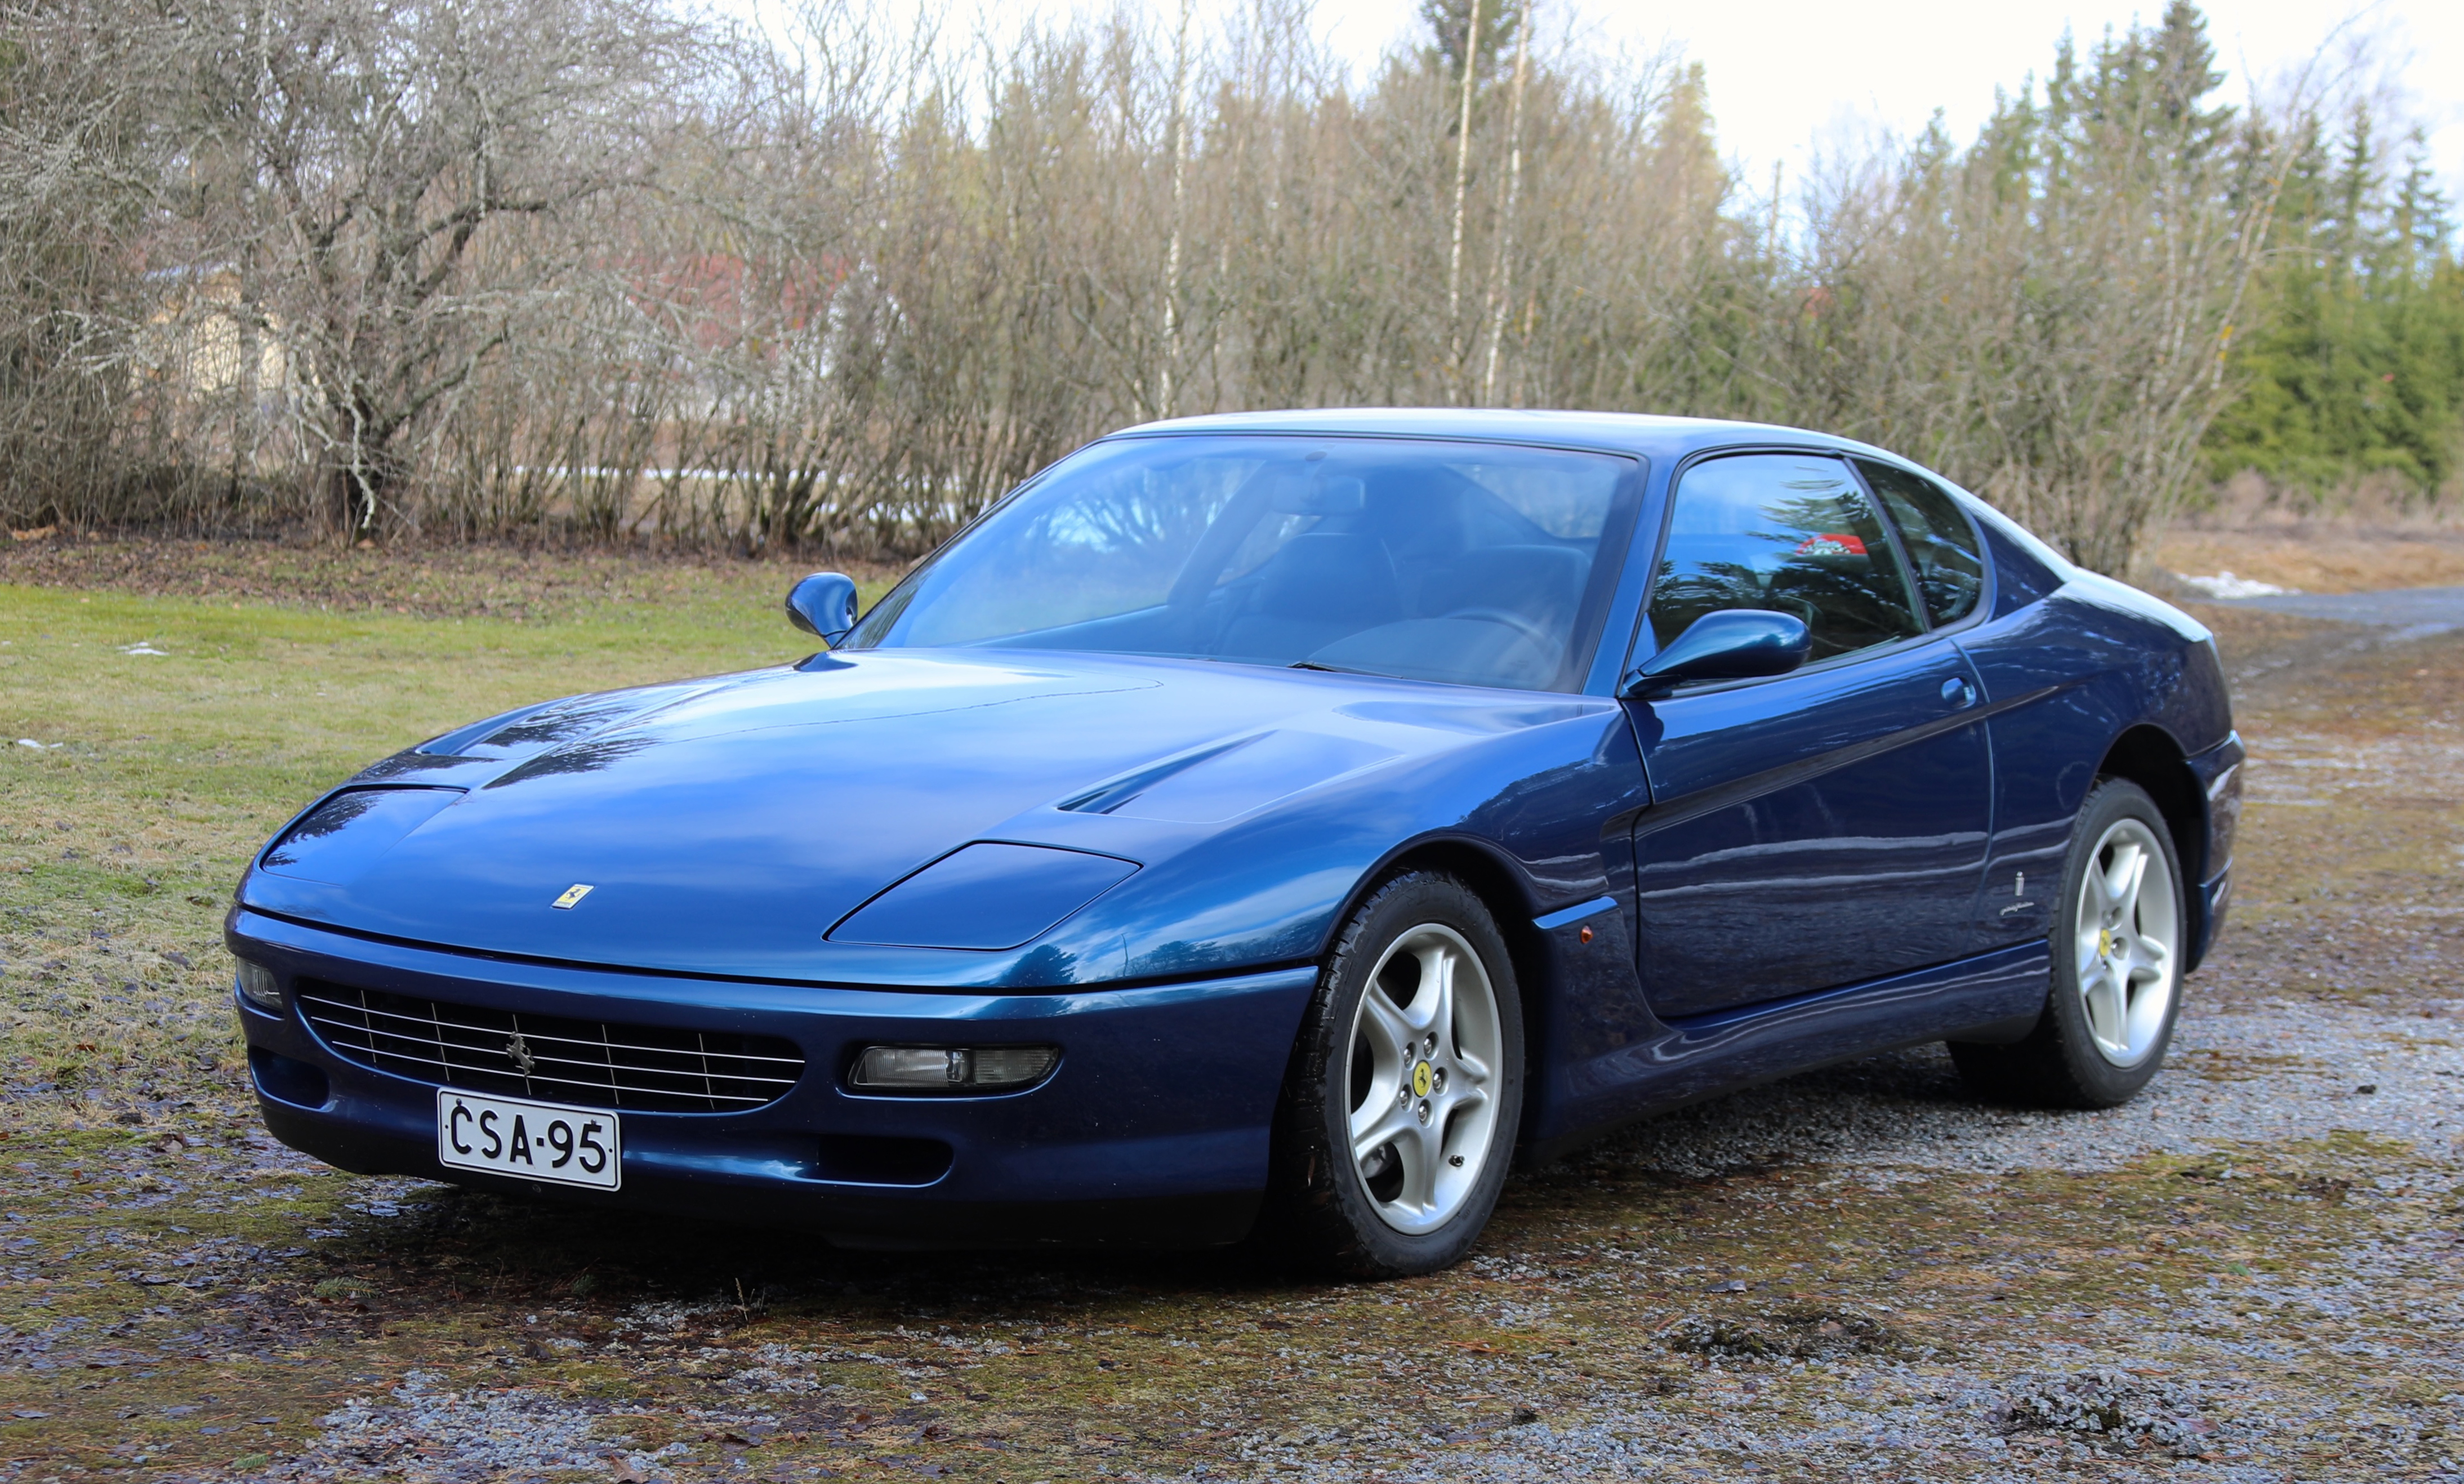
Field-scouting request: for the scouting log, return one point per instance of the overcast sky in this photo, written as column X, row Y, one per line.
column 1785, row 74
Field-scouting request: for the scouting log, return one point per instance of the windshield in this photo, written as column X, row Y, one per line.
column 1475, row 563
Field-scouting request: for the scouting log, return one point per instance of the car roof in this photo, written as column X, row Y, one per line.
column 1665, row 440
column 1624, row 433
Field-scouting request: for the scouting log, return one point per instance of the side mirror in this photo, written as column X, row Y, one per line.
column 824, row 605
column 1734, row 644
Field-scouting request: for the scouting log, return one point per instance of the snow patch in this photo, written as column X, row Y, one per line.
column 2225, row 584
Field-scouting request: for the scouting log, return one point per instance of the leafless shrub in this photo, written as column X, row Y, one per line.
column 401, row 181
column 87, row 304
column 577, row 268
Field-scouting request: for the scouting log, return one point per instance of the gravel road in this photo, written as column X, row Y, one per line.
column 2171, row 1388
column 2418, row 612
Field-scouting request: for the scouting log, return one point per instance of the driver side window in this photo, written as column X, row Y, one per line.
column 1792, row 533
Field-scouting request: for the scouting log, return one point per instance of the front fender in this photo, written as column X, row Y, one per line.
column 1274, row 887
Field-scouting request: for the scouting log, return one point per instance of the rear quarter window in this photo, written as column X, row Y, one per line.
column 1941, row 544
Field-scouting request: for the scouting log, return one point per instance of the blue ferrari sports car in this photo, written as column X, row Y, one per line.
column 1277, row 825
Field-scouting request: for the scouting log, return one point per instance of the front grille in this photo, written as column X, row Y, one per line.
column 599, row 1064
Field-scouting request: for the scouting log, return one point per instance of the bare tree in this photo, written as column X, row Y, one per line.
column 394, row 175
column 89, row 285
column 1500, row 271
column 577, row 267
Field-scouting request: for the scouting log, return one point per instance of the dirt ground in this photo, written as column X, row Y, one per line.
column 2317, row 558
column 2250, row 1273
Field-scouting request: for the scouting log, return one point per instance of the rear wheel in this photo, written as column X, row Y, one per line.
column 1399, row 1113
column 2118, row 941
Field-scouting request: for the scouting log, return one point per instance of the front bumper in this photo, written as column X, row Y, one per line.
column 1154, row 1129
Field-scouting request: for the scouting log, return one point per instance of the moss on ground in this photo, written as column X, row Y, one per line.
column 1021, row 1366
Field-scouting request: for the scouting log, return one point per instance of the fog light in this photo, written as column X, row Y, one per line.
column 951, row 1068
column 256, row 984
column 285, row 1080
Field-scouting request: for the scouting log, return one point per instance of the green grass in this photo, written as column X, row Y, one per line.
column 122, row 835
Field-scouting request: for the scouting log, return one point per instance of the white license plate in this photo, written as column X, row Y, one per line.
column 534, row 1141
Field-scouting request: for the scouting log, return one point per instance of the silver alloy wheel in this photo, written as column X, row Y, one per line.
column 2126, row 925
column 1424, row 1055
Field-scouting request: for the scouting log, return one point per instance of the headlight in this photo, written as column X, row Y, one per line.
column 257, row 984
column 951, row 1068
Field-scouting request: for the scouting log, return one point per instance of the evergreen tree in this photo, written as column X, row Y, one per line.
column 2355, row 362
column 1449, row 23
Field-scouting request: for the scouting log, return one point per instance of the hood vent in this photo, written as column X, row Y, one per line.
column 1224, row 783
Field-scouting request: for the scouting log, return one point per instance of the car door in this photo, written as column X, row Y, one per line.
column 1817, row 828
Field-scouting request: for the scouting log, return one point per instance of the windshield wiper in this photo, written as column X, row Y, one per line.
column 1311, row 664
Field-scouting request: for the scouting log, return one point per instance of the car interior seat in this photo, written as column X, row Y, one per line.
column 1319, row 588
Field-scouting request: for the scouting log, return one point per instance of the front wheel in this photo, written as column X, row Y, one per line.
column 1399, row 1112
column 2118, row 942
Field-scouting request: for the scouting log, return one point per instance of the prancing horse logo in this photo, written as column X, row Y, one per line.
column 519, row 1051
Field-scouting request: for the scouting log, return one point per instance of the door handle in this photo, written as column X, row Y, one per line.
column 1958, row 692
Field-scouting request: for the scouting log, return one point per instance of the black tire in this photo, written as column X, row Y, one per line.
column 2059, row 1064
column 1322, row 1215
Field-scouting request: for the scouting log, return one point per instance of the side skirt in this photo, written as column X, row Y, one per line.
column 1700, row 1057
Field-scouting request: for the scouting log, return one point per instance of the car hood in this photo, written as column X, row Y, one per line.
column 727, row 826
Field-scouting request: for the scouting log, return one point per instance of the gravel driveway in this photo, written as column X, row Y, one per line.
column 2418, row 612
column 2250, row 1273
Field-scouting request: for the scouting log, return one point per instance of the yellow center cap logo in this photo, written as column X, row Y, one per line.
column 2103, row 939
column 1421, row 1080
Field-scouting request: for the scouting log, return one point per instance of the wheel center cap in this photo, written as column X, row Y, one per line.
column 2104, row 941
column 1421, row 1080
